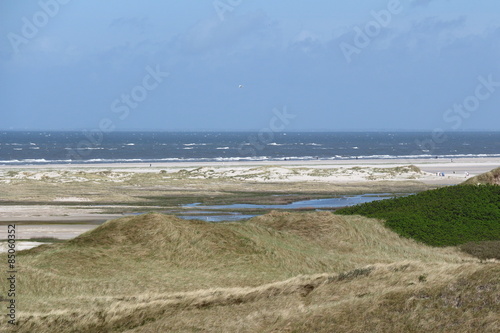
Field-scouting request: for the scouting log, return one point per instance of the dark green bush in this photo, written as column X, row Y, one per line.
column 447, row 216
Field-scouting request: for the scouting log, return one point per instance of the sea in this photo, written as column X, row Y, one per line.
column 81, row 147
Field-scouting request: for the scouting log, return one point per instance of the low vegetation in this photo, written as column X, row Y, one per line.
column 280, row 272
column 447, row 216
column 492, row 177
column 483, row 250
column 131, row 186
column 275, row 273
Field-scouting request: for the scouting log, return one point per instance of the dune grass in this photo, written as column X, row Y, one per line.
column 153, row 271
column 492, row 178
column 483, row 250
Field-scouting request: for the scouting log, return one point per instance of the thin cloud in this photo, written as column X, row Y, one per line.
column 435, row 25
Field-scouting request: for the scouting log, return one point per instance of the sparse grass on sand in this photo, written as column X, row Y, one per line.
column 281, row 272
column 87, row 187
column 492, row 177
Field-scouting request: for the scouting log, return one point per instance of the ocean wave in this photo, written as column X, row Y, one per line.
column 41, row 161
column 33, row 161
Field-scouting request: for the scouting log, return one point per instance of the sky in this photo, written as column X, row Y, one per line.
column 240, row 65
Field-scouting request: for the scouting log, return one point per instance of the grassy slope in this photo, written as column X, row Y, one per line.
column 403, row 297
column 447, row 216
column 492, row 177
column 153, row 271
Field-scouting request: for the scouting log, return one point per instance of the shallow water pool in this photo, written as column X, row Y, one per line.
column 208, row 213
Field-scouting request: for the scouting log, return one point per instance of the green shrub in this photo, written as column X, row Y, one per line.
column 447, row 216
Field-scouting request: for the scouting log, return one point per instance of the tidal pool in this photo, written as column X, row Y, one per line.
column 343, row 201
column 336, row 202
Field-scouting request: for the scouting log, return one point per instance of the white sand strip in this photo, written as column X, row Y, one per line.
column 59, row 231
column 486, row 163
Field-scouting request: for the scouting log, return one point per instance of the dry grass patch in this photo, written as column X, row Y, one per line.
column 491, row 177
column 377, row 298
column 483, row 250
column 147, row 272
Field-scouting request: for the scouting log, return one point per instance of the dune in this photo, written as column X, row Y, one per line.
column 273, row 273
column 491, row 177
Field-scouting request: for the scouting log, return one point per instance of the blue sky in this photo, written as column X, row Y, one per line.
column 334, row 65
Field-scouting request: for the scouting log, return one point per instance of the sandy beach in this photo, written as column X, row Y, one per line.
column 454, row 170
column 476, row 161
column 80, row 197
